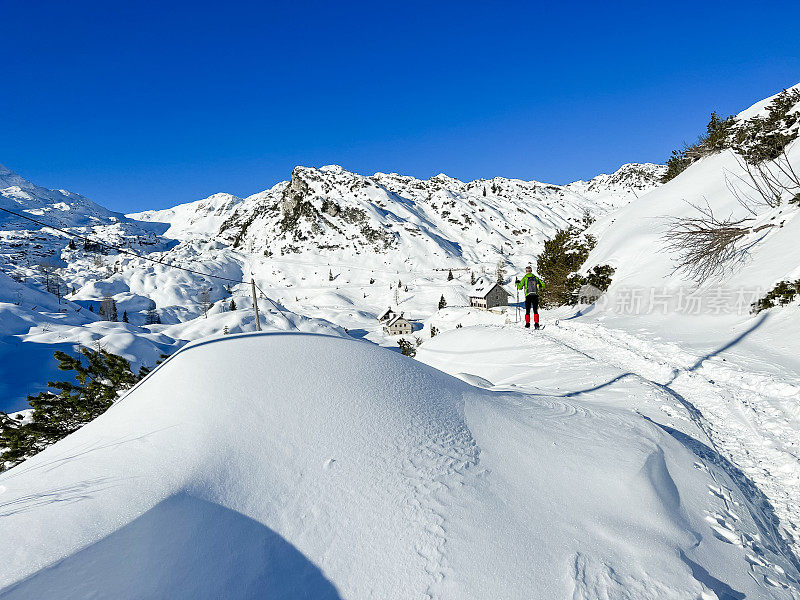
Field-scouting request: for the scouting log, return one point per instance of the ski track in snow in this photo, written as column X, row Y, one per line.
column 746, row 421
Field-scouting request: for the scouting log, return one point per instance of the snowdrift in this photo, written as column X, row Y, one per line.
column 294, row 465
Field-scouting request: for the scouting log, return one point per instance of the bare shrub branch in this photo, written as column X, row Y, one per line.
column 705, row 245
column 765, row 184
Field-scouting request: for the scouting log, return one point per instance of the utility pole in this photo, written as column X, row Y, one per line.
column 255, row 303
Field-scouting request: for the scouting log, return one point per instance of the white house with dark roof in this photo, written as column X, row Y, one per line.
column 487, row 294
column 397, row 325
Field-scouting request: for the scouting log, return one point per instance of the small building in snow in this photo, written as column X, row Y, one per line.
column 487, row 294
column 588, row 294
column 397, row 325
column 386, row 315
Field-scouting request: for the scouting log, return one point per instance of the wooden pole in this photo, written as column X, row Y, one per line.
column 255, row 303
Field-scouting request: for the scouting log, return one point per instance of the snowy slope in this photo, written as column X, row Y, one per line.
column 33, row 324
column 193, row 219
column 359, row 473
column 25, row 246
column 736, row 370
column 632, row 239
column 59, row 207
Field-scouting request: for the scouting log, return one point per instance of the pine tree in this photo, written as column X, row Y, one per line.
column 442, row 302
column 57, row 414
column 406, row 347
column 71, row 244
column 562, row 257
column 471, row 278
column 108, row 309
column 205, row 301
column 152, row 314
column 450, row 275
column 500, row 271
column 330, row 275
column 434, row 331
column 125, row 316
column 232, row 305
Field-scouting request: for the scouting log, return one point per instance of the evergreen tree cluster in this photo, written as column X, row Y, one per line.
column 715, row 139
column 100, row 376
column 757, row 139
column 559, row 263
column 782, row 294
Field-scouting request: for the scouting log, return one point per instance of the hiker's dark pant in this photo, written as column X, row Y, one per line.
column 532, row 300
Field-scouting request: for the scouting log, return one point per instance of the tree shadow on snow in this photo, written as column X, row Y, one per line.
column 184, row 547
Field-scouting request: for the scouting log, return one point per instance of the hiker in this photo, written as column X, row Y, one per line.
column 531, row 285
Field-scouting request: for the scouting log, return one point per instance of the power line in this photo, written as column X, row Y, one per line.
column 154, row 260
column 276, row 306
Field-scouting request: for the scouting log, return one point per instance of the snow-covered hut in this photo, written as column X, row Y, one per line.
column 487, row 294
column 397, row 325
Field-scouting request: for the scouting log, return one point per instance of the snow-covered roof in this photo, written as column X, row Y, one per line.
column 385, row 313
column 395, row 319
column 483, row 286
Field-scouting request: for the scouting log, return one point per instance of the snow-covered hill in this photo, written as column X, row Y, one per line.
column 311, row 466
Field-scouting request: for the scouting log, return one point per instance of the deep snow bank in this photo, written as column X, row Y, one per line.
column 291, row 464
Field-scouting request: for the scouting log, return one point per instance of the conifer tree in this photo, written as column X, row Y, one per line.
column 58, row 413
column 406, row 347
column 152, row 314
column 450, row 275
column 500, row 272
column 205, row 301
column 442, row 302
column 232, row 304
column 108, row 309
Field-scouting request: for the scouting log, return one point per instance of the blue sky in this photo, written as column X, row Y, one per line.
column 146, row 105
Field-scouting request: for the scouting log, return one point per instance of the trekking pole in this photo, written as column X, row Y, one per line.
column 517, row 303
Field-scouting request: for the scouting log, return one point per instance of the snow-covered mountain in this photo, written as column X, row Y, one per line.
column 26, row 246
column 437, row 222
column 763, row 201
column 58, row 207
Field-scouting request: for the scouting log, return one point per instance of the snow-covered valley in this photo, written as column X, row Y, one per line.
column 644, row 444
